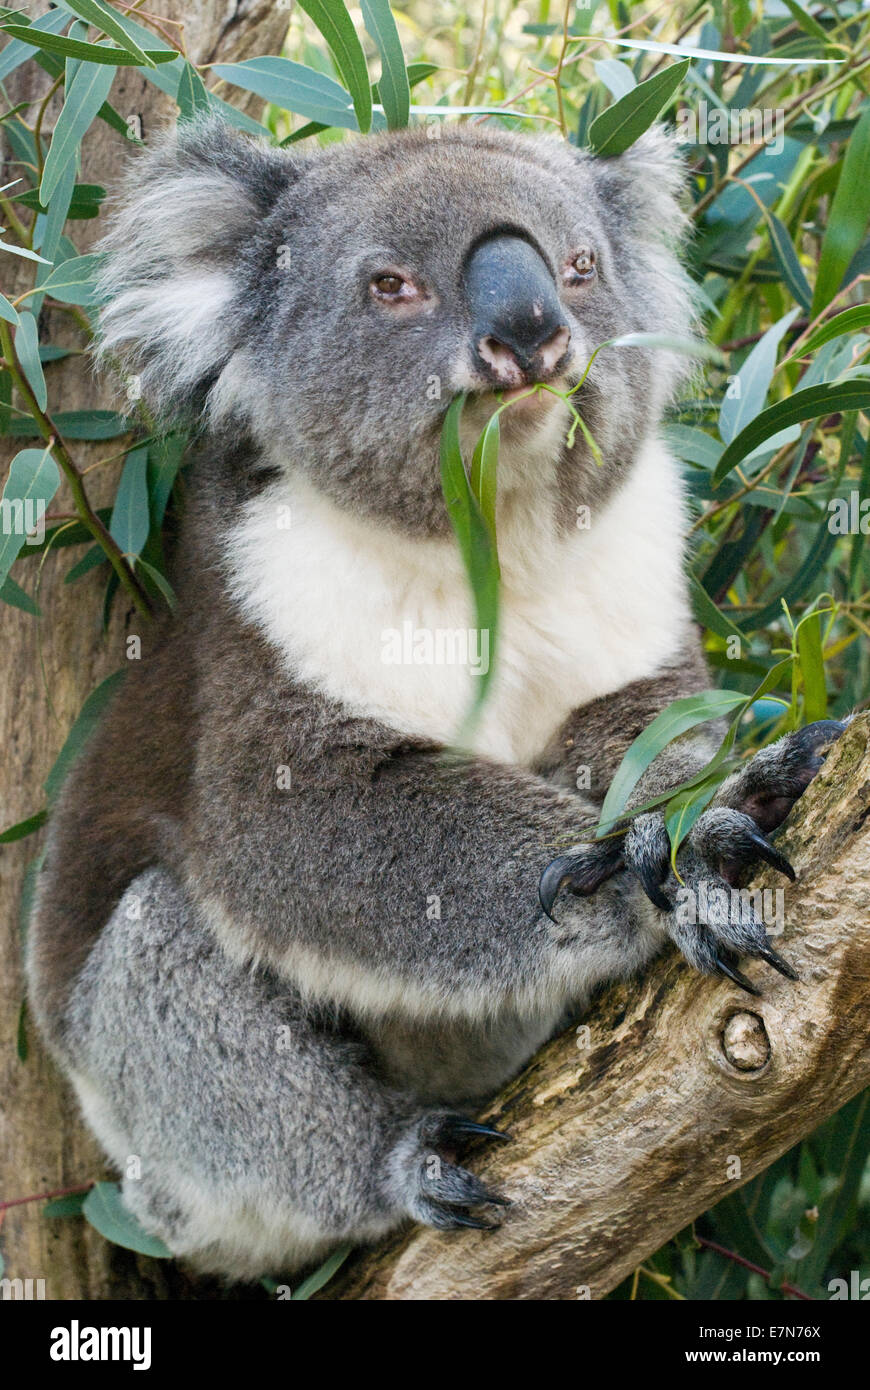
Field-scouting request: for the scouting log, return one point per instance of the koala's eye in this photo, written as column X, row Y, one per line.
column 390, row 286
column 581, row 267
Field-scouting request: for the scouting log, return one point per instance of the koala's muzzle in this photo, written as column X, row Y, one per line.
column 519, row 333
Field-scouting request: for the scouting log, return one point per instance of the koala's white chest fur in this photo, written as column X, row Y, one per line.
column 383, row 623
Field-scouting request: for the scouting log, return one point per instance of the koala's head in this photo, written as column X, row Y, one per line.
column 331, row 305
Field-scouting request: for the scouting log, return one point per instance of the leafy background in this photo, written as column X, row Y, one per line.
column 772, row 432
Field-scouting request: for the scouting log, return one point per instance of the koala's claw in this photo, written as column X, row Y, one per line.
column 773, row 959
column 729, row 840
column 734, row 974
column 581, row 872
column 457, row 1127
column 765, row 850
column 446, row 1192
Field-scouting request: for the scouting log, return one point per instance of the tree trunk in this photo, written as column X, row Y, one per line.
column 43, row 1146
column 680, row 1089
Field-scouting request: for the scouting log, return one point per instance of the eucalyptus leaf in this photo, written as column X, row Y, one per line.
column 336, row 26
column 104, row 1209
column 97, row 53
column 803, row 405
column 680, row 716
column 89, row 716
column 749, row 389
column 617, row 128
column 32, row 482
column 90, row 88
column 294, row 87
column 848, row 217
column 72, row 281
column 131, row 518
column 394, row 91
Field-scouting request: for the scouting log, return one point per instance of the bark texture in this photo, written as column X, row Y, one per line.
column 627, row 1129
column 43, row 1146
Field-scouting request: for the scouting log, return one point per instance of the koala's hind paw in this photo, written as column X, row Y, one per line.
column 437, row 1192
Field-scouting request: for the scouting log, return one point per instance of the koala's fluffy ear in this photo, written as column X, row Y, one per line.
column 644, row 185
column 184, row 221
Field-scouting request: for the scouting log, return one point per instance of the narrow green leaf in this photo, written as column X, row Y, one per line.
column 72, row 281
column 27, row 352
column 477, row 547
column 76, row 424
column 848, row 218
column 809, row 404
column 484, row 468
column 617, row 77
column 160, row 582
column 13, row 594
column 49, row 231
column 192, row 96
column 683, row 810
column 105, row 19
column 23, row 251
column 164, row 460
column 84, row 726
column 617, row 128
column 849, row 321
column 748, row 392
column 716, row 55
column 24, row 828
column 394, row 91
column 786, row 257
column 806, row 21
column 321, row 1276
column 7, row 312
column 97, row 53
column 131, row 519
column 104, row 1209
column 812, row 666
column 89, row 90
column 678, row 718
column 709, row 615
column 15, row 53
column 91, row 560
column 33, row 480
column 694, row 445
column 671, row 342
column 336, row 26
column 294, row 87
column 68, row 1206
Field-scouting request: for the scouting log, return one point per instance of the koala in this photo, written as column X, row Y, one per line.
column 288, row 936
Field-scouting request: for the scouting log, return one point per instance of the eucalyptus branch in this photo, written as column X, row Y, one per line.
column 60, row 453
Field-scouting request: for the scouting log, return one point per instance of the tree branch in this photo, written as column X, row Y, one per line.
column 682, row 1089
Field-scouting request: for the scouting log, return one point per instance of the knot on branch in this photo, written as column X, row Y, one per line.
column 745, row 1042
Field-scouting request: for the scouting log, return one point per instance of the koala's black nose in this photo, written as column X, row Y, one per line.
column 519, row 331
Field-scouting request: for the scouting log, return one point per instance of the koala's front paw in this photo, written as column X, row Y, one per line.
column 434, row 1189
column 725, row 841
column 580, row 871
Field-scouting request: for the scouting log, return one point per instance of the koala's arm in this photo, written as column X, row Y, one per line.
column 386, row 869
column 585, row 753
